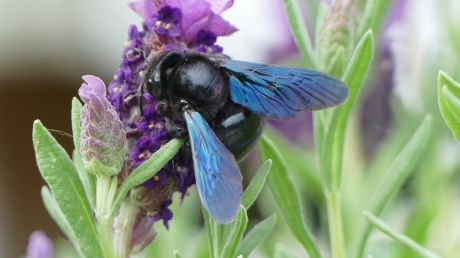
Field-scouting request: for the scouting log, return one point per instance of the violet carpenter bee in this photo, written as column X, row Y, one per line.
column 220, row 104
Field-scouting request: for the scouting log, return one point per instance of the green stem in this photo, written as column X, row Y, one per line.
column 123, row 228
column 334, row 215
column 106, row 188
column 104, row 227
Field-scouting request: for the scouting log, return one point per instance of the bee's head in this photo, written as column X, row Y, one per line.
column 157, row 75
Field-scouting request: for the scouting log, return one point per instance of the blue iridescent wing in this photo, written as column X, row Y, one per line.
column 281, row 92
column 217, row 175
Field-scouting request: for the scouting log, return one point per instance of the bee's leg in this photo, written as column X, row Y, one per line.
column 174, row 129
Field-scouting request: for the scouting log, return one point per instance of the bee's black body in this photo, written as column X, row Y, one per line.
column 196, row 80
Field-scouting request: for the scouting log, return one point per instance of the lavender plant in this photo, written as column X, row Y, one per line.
column 125, row 168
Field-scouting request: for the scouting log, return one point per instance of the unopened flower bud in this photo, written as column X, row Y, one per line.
column 102, row 135
column 336, row 31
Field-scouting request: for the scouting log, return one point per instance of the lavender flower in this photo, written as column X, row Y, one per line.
column 102, row 133
column 168, row 24
column 40, row 246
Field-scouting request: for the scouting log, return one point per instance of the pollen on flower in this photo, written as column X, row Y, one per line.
column 144, row 155
column 156, row 178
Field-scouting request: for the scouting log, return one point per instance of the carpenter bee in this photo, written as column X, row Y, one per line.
column 221, row 103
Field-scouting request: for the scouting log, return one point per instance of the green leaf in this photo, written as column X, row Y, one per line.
column 400, row 238
column 399, row 170
column 233, row 239
column 300, row 32
column 76, row 116
column 257, row 235
column 449, row 102
column 287, row 197
column 381, row 10
column 87, row 179
column 147, row 170
column 335, row 137
column 55, row 212
column 256, row 185
column 59, row 173
column 369, row 16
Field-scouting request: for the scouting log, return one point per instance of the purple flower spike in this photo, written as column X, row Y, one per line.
column 40, row 246
column 167, row 24
column 102, row 134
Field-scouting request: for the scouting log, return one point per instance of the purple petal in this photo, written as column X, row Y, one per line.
column 195, row 17
column 92, row 86
column 218, row 6
column 220, row 26
column 40, row 246
column 145, row 8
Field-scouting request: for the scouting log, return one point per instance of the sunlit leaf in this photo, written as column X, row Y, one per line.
column 233, row 238
column 400, row 238
column 287, row 197
column 257, row 235
column 396, row 174
column 147, row 170
column 255, row 186
column 57, row 169
column 335, row 137
column 449, row 102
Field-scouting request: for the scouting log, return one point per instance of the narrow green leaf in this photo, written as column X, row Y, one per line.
column 335, row 137
column 59, row 173
column 368, row 16
column 381, row 10
column 256, row 185
column 76, row 130
column 210, row 233
column 257, row 235
column 55, row 212
column 287, row 197
column 236, row 233
column 400, row 238
column 449, row 102
column 87, row 179
column 300, row 32
column 399, row 170
column 147, row 170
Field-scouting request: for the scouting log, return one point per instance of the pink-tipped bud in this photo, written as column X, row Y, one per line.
column 102, row 135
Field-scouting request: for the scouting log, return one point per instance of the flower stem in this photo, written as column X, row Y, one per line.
column 334, row 215
column 123, row 228
column 106, row 188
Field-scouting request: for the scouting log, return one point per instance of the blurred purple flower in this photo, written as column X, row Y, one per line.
column 167, row 24
column 40, row 246
column 377, row 115
column 102, row 134
column 144, row 232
